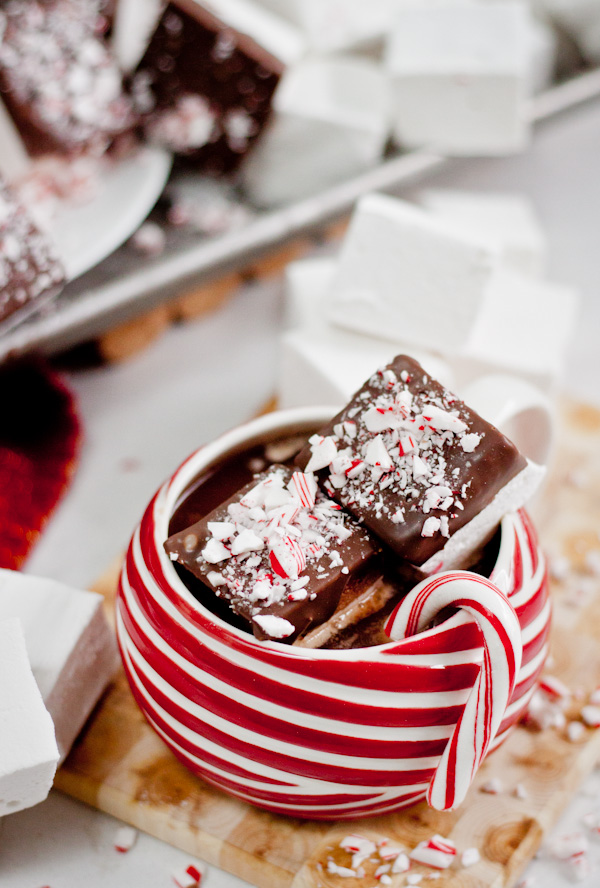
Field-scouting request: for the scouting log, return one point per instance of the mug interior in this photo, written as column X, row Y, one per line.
column 263, row 430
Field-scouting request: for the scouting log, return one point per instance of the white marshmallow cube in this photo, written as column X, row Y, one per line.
column 72, row 650
column 14, row 160
column 458, row 74
column 407, row 276
column 322, row 364
column 28, row 751
column 336, row 25
column 525, row 326
column 507, row 220
column 329, row 123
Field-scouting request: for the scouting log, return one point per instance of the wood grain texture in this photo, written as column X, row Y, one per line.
column 120, row 766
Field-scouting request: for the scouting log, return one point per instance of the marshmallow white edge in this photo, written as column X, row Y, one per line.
column 513, row 496
column 28, row 750
column 72, row 650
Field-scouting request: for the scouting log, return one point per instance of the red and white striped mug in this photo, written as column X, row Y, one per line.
column 333, row 733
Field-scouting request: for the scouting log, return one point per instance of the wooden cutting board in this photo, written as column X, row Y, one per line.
column 120, row 766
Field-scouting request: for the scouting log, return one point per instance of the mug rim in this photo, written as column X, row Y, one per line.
column 236, row 440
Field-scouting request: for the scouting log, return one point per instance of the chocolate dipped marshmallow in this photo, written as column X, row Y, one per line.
column 279, row 551
column 425, row 473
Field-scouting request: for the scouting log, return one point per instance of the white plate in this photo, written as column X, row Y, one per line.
column 86, row 233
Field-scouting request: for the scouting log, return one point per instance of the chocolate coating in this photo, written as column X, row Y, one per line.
column 468, row 465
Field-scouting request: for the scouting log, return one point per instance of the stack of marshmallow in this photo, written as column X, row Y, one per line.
column 57, row 654
column 454, row 279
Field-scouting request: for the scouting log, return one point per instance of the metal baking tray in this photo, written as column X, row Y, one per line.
column 124, row 284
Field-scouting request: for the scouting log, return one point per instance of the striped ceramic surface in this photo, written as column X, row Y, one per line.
column 311, row 733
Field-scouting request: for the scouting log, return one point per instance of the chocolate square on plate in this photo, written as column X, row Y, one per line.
column 208, row 87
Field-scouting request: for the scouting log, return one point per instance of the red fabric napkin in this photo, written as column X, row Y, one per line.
column 40, row 437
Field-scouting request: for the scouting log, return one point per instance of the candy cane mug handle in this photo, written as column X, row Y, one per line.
column 486, row 705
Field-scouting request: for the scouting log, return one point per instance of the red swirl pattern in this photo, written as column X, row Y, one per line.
column 311, row 733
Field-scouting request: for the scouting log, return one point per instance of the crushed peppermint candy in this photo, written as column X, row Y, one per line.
column 492, row 787
column 591, row 716
column 189, row 876
column 125, row 839
column 274, row 545
column 569, row 845
column 437, row 852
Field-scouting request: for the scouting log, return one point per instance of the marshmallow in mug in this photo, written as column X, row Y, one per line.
column 458, row 74
column 28, row 750
column 72, row 650
column 279, row 551
column 425, row 473
column 405, row 459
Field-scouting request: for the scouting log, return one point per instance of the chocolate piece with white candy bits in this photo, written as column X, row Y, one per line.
column 30, row 269
column 279, row 552
column 205, row 82
column 59, row 79
column 424, row 472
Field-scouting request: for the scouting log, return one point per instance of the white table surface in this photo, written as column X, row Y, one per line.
column 141, row 418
